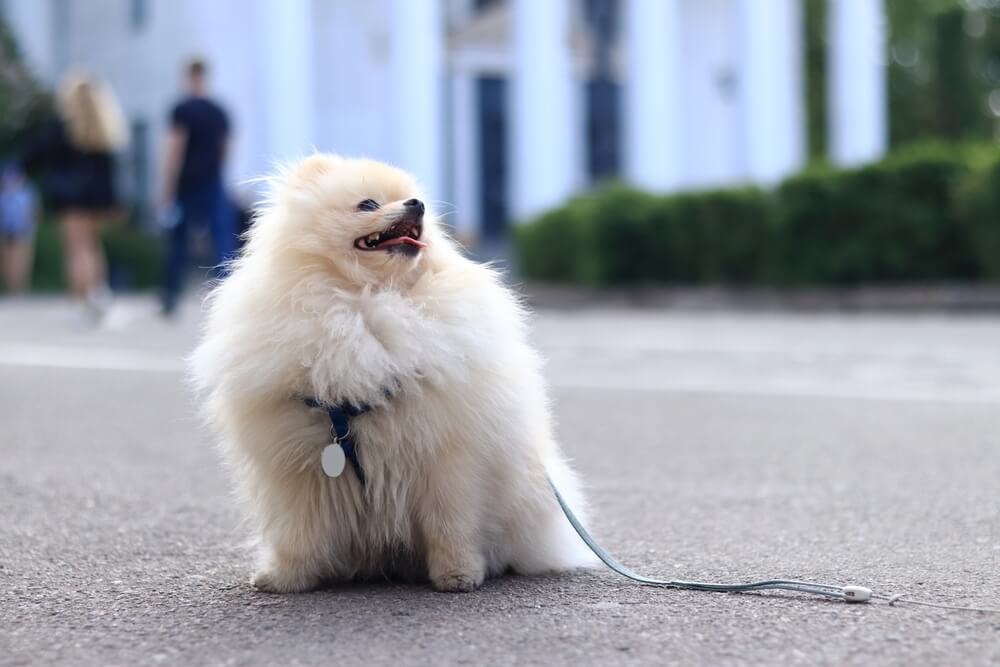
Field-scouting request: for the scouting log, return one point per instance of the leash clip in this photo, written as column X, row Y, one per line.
column 336, row 437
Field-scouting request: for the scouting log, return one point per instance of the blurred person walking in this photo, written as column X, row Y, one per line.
column 193, row 190
column 75, row 155
column 17, row 228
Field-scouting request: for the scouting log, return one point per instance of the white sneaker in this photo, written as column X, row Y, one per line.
column 98, row 303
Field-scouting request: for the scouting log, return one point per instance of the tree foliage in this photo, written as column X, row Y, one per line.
column 24, row 104
column 944, row 65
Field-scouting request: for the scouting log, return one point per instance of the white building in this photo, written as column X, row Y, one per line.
column 490, row 102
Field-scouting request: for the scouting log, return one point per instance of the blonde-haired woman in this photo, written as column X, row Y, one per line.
column 75, row 157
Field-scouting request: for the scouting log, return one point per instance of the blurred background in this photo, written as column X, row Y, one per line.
column 573, row 128
column 746, row 228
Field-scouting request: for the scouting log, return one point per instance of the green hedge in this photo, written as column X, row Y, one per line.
column 623, row 236
column 135, row 260
column 928, row 214
column 979, row 210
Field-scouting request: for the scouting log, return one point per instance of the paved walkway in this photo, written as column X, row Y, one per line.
column 721, row 446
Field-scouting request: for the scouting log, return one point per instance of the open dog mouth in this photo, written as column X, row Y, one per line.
column 402, row 236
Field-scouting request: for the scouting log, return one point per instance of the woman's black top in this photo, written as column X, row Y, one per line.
column 70, row 178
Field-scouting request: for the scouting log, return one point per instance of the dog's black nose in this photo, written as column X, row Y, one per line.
column 415, row 205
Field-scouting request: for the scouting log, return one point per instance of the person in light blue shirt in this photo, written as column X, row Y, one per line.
column 18, row 209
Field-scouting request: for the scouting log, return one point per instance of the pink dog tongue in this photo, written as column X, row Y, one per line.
column 402, row 239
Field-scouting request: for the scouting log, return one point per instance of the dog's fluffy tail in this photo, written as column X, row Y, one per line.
column 554, row 545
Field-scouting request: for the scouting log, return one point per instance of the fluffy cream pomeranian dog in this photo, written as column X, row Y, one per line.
column 348, row 294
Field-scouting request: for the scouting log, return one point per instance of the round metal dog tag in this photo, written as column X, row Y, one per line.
column 333, row 460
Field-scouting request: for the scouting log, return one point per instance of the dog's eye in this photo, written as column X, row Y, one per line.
column 368, row 205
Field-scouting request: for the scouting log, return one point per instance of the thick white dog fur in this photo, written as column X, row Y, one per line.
column 456, row 457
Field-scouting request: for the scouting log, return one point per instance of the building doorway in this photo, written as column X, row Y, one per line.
column 491, row 102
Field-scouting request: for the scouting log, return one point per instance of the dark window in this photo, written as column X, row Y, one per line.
column 486, row 4
column 138, row 14
column 491, row 93
column 603, row 129
column 602, row 18
column 139, row 164
column 603, row 93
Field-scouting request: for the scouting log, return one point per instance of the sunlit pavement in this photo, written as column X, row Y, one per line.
column 850, row 449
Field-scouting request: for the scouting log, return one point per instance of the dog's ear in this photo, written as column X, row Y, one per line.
column 312, row 168
column 293, row 180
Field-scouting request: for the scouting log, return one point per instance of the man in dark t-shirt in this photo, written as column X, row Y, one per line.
column 193, row 189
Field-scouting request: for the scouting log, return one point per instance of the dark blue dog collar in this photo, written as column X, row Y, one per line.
column 340, row 429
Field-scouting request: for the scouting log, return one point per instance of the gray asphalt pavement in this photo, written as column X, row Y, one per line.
column 851, row 449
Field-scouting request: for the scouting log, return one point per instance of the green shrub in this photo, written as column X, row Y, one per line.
column 594, row 239
column 930, row 213
column 889, row 222
column 622, row 236
column 47, row 274
column 613, row 235
column 721, row 236
column 979, row 211
column 135, row 259
column 547, row 248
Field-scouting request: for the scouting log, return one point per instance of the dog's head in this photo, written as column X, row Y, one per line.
column 362, row 221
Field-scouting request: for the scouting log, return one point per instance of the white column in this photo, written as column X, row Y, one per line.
column 771, row 91
column 287, row 30
column 652, row 40
column 31, row 22
column 543, row 107
column 464, row 156
column 416, row 84
column 857, row 81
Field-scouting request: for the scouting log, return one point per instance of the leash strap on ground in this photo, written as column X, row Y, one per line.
column 846, row 593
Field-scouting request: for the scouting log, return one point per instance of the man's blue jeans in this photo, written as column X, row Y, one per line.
column 209, row 206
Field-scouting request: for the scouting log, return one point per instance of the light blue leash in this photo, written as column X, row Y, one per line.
column 846, row 593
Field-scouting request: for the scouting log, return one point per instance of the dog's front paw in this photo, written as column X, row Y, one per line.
column 269, row 580
column 457, row 582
